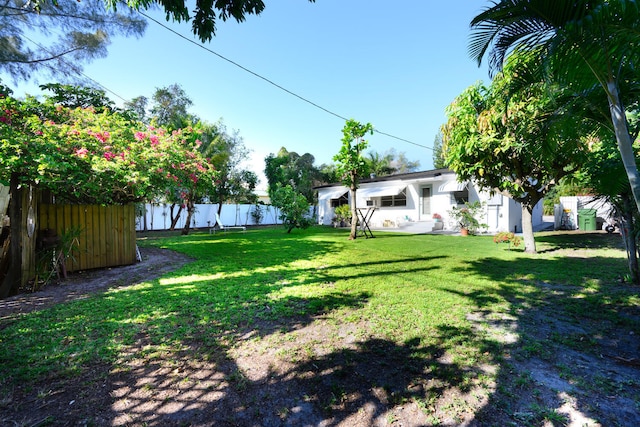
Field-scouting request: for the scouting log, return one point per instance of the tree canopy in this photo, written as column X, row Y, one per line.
column 583, row 44
column 516, row 137
column 351, row 164
column 226, row 153
column 85, row 156
column 290, row 168
column 389, row 163
column 55, row 38
column 205, row 14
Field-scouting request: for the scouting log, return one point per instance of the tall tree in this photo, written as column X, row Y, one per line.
column 290, row 168
column 226, row 152
column 29, row 40
column 585, row 42
column 169, row 107
column 438, row 157
column 350, row 163
column 328, row 173
column 379, row 165
column 138, row 106
column 514, row 138
column 78, row 96
column 603, row 172
column 400, row 163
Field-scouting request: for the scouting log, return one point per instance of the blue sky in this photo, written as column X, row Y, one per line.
column 395, row 67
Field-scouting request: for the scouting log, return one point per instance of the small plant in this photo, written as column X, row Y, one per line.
column 53, row 256
column 343, row 214
column 508, row 238
column 437, row 216
column 294, row 208
column 467, row 217
column 257, row 214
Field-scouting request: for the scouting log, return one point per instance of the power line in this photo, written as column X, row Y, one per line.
column 402, row 139
column 75, row 69
column 271, row 82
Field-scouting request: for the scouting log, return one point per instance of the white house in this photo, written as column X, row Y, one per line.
column 415, row 197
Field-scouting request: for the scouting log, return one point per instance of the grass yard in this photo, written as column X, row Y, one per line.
column 265, row 328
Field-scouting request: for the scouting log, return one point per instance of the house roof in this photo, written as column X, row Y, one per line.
column 400, row 176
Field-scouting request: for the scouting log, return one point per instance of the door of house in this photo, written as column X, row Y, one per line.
column 425, row 203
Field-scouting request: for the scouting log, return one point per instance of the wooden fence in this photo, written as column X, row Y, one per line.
column 107, row 235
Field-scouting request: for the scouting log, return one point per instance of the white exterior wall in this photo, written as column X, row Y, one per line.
column 325, row 211
column 573, row 203
column 500, row 213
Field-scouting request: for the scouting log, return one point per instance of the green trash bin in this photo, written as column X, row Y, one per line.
column 587, row 219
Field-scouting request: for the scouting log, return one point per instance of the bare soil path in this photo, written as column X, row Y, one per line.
column 155, row 263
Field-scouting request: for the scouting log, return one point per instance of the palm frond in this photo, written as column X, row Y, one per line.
column 520, row 24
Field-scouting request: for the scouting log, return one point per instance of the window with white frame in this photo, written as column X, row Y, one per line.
column 399, row 199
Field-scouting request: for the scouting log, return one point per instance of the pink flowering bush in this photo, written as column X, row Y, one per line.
column 102, row 158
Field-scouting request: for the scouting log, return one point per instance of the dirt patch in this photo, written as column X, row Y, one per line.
column 155, row 263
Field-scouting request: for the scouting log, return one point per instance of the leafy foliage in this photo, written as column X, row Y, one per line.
column 468, row 216
column 389, row 163
column 85, row 30
column 294, row 208
column 226, row 152
column 583, row 44
column 350, row 163
column 205, row 14
column 102, row 158
column 438, row 157
column 290, row 168
column 343, row 213
column 507, row 237
column 517, row 137
column 169, row 108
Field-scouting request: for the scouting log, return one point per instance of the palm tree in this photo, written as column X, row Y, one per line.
column 588, row 42
column 379, row 165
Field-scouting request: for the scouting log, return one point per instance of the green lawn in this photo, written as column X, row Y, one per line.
column 444, row 323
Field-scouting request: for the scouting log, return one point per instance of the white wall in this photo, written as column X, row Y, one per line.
column 573, row 203
column 500, row 213
column 159, row 218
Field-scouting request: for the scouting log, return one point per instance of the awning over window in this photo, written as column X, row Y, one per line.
column 380, row 191
column 453, row 185
column 333, row 194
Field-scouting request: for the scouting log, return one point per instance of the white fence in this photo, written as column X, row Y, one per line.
column 159, row 216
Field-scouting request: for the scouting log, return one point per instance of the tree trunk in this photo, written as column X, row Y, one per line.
column 174, row 219
column 220, row 206
column 13, row 279
column 623, row 138
column 527, row 229
column 354, row 215
column 626, row 226
column 191, row 207
column 144, row 219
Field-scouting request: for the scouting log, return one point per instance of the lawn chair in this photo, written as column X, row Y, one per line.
column 223, row 227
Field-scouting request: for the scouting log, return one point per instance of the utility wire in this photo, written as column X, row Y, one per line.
column 271, row 82
column 75, row 69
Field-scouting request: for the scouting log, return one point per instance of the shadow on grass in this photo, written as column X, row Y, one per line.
column 568, row 323
column 579, row 240
column 220, row 342
column 128, row 343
